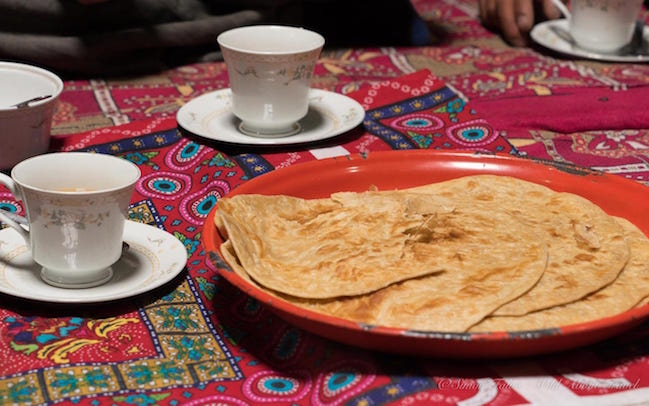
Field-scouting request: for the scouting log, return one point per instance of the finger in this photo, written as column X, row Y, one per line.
column 524, row 14
column 508, row 24
column 488, row 12
column 550, row 11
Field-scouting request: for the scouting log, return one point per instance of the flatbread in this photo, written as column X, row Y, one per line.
column 586, row 247
column 627, row 291
column 444, row 302
column 480, row 253
column 318, row 248
column 357, row 243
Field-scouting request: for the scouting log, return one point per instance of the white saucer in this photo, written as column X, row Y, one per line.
column 554, row 34
column 210, row 116
column 153, row 258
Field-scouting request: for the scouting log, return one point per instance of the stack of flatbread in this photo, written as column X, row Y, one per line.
column 479, row 253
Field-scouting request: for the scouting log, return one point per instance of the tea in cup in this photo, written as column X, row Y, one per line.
column 270, row 69
column 76, row 206
column 27, row 100
column 603, row 26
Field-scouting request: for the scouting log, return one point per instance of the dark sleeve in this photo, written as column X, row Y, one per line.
column 116, row 36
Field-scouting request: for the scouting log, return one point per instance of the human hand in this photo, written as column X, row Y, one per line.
column 515, row 18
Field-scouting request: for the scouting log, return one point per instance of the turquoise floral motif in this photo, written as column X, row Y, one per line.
column 452, row 108
column 141, row 374
column 212, row 369
column 170, row 370
column 455, row 106
column 190, row 348
column 220, row 161
column 141, row 399
column 96, row 379
column 21, row 392
column 141, row 158
column 176, row 296
column 65, row 383
column 141, row 213
column 31, row 333
column 217, row 161
column 208, row 288
column 69, row 384
column 423, row 141
column 177, row 318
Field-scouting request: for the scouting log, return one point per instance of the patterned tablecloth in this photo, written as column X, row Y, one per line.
column 198, row 340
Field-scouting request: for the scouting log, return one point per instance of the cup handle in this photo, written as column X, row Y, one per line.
column 562, row 7
column 13, row 220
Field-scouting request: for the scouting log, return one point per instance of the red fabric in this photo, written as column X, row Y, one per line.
column 570, row 110
column 200, row 341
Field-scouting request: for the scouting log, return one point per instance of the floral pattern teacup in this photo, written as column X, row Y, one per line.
column 76, row 205
column 270, row 69
column 604, row 26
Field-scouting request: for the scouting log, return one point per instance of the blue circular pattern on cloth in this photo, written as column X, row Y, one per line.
column 186, row 155
column 417, row 122
column 189, row 151
column 196, row 206
column 10, row 207
column 165, row 185
column 203, row 207
column 474, row 133
column 270, row 387
column 288, row 344
column 340, row 380
column 277, row 385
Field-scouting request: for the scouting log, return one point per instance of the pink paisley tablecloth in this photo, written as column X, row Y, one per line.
column 200, row 341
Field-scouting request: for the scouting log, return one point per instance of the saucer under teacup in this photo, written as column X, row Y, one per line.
column 555, row 35
column 329, row 114
column 153, row 258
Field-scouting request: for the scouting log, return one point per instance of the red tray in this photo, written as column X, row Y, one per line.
column 402, row 169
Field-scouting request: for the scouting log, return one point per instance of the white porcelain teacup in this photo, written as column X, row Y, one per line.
column 270, row 69
column 76, row 205
column 26, row 128
column 603, row 26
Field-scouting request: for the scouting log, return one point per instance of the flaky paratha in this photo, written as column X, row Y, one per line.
column 587, row 248
column 317, row 248
column 445, row 302
column 643, row 302
column 483, row 241
column 363, row 242
column 628, row 289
